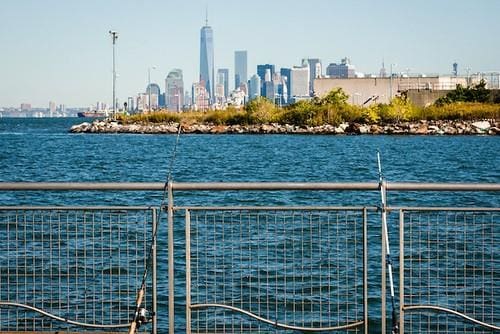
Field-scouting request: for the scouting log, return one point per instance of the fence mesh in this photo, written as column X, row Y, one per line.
column 301, row 268
column 451, row 260
column 83, row 265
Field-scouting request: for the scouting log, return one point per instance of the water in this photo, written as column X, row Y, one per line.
column 43, row 150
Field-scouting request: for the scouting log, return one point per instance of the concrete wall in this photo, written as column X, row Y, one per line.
column 423, row 98
column 360, row 89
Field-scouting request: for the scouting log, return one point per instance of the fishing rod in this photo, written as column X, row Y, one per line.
column 141, row 314
column 388, row 260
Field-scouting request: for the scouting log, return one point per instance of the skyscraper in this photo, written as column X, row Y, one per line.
column 223, row 79
column 343, row 70
column 299, row 82
column 315, row 70
column 240, row 68
column 261, row 71
column 207, row 73
column 254, row 87
column 174, row 90
column 265, row 73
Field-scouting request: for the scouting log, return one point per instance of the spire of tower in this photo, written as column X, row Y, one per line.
column 206, row 15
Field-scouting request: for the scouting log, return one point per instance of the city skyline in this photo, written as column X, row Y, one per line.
column 61, row 52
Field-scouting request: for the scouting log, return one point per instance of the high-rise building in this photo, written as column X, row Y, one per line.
column 299, row 82
column 207, row 70
column 265, row 73
column 153, row 92
column 200, row 96
column 261, row 71
column 240, row 68
column 343, row 70
column 254, row 87
column 52, row 108
column 315, row 71
column 223, row 79
column 174, row 90
column 285, row 77
column 455, row 69
column 25, row 107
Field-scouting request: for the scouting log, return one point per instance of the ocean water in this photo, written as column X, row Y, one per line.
column 44, row 150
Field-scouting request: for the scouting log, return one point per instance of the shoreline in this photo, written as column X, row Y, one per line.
column 480, row 127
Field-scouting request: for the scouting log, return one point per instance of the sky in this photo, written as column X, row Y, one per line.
column 61, row 51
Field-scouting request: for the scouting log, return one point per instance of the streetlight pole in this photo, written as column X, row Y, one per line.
column 149, row 85
column 408, row 78
column 114, row 37
column 390, row 84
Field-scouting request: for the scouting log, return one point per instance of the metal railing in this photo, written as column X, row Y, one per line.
column 449, row 270
column 68, row 268
column 241, row 262
column 296, row 269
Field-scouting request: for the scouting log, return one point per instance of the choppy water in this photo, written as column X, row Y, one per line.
column 43, row 150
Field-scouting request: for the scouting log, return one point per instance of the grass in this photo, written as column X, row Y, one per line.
column 316, row 112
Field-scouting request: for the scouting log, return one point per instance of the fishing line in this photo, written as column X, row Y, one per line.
column 388, row 260
column 141, row 314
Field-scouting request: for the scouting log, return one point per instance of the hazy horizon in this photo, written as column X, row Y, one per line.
column 61, row 51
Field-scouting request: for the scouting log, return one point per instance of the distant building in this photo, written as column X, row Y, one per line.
column 200, row 95
column 207, row 59
column 263, row 69
column 25, row 107
column 130, row 104
column 142, row 102
column 285, row 77
column 155, row 96
column 299, row 82
column 52, row 108
column 455, row 69
column 383, row 71
column 236, row 98
column 254, row 87
column 342, row 70
column 223, row 79
column 240, row 68
column 315, row 71
column 174, row 90
column 268, row 90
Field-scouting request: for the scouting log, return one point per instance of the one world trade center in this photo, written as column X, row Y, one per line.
column 207, row 59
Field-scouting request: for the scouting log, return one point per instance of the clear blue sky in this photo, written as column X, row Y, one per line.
column 60, row 50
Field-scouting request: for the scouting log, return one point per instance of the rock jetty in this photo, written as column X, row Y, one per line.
column 483, row 127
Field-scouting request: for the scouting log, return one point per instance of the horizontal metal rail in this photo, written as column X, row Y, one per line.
column 58, row 318
column 274, row 208
column 77, row 208
column 409, row 308
column 227, row 186
column 278, row 324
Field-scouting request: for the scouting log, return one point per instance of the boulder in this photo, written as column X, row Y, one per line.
column 481, row 126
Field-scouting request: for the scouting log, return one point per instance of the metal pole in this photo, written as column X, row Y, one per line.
column 365, row 270
column 390, row 86
column 401, row 271
column 114, row 36
column 171, row 298
column 188, row 272
column 149, row 89
column 154, row 278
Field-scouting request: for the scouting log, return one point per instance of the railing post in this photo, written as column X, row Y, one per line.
column 153, row 274
column 171, row 297
column 365, row 270
column 401, row 271
column 188, row 272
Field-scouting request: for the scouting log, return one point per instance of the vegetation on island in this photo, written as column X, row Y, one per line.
column 463, row 103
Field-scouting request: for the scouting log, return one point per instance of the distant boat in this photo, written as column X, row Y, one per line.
column 92, row 114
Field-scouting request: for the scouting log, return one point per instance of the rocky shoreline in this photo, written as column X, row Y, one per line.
column 482, row 127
